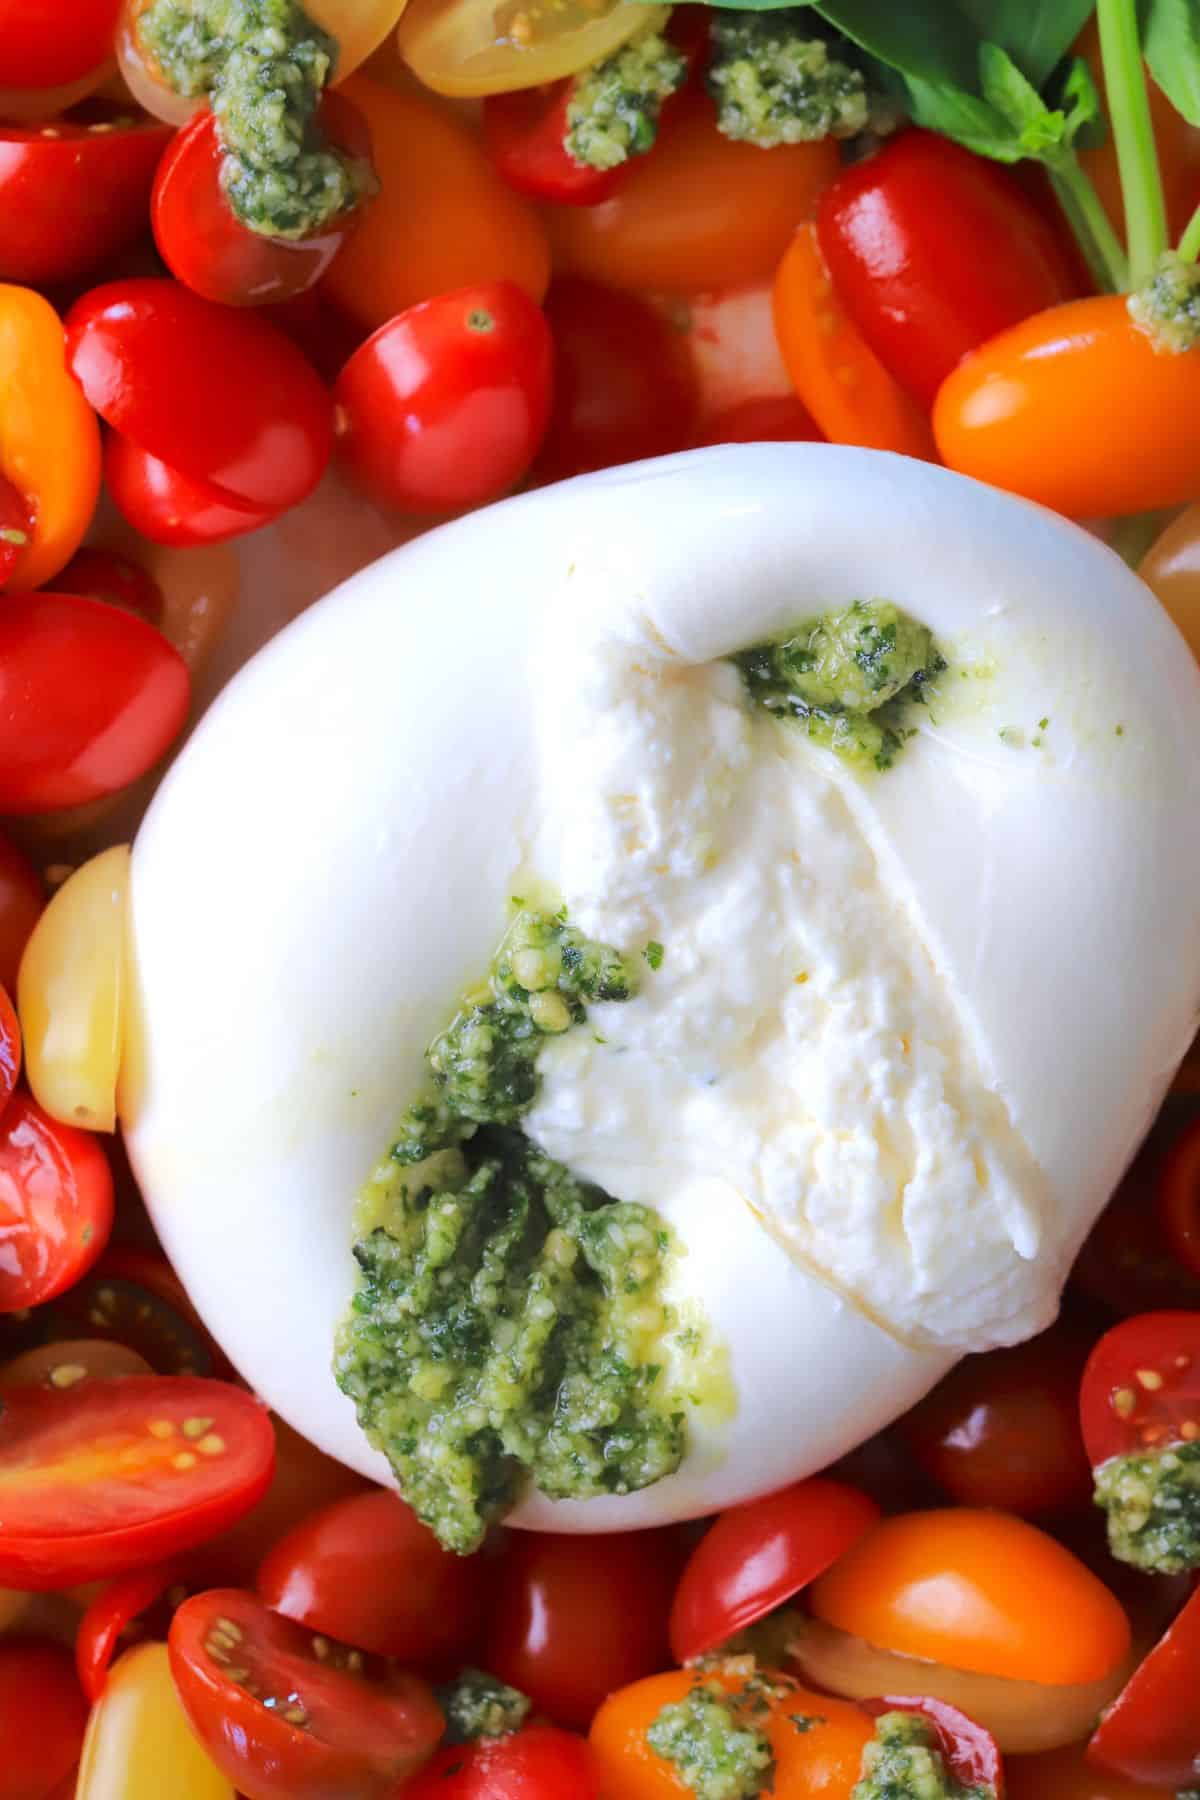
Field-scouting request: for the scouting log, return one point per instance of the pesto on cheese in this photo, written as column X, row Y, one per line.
column 903, row 1761
column 850, row 679
column 478, row 1705
column 1153, row 1508
column 509, row 1320
column 264, row 65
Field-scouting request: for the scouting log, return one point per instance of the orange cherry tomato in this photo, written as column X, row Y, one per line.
column 49, row 436
column 702, row 213
column 823, row 1760
column 976, row 1590
column 1039, row 409
column 1172, row 568
column 1067, row 1775
column 443, row 218
column 842, row 383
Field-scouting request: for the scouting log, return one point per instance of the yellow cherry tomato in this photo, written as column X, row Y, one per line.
column 1172, row 568
column 70, row 994
column 471, row 47
column 139, row 1745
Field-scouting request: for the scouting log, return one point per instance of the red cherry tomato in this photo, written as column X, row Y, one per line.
column 108, row 1619
column 757, row 1556
column 775, row 419
column 445, row 405
column 17, row 520
column 204, row 243
column 972, row 1754
column 573, row 1618
column 1179, row 1197
column 624, row 387
column 42, row 1718
column 1002, row 1429
column 56, row 1204
column 135, row 1298
column 524, row 133
column 367, row 1571
column 40, row 46
column 284, row 1715
column 107, row 1476
column 538, row 1763
column 1141, row 1386
column 89, row 700
column 1151, row 1732
column 169, row 507
column 10, row 1048
column 103, row 575
column 72, row 196
column 216, row 393
column 1126, row 1262
column 21, row 903
column 933, row 251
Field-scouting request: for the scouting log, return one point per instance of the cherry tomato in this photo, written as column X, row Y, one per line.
column 446, row 405
column 524, row 132
column 68, row 1361
column 623, row 382
column 1172, row 568
column 1141, row 1386
column 168, row 507
column 1151, row 1732
column 775, row 419
column 56, row 1204
column 102, row 575
column 134, row 1297
column 419, row 239
column 757, row 1556
column 1126, row 1263
column 1179, row 1197
column 42, row 1718
column 701, row 213
column 287, row 1714
column 109, row 1475
column 467, row 48
column 218, row 394
column 367, row 1571
column 109, row 1618
column 10, row 1048
column 204, row 243
column 538, row 1763
column 196, row 589
column 1002, row 1429
column 974, row 1590
column 21, row 902
column 72, row 196
column 92, row 700
column 41, row 48
column 17, row 523
column 927, row 280
column 137, row 1731
column 1066, row 1775
column 971, row 1753
column 572, row 1618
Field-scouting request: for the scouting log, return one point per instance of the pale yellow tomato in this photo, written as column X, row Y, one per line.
column 139, row 1745
column 492, row 46
column 66, row 1364
column 69, row 994
column 1172, row 568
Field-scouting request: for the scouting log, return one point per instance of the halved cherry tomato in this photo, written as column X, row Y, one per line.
column 757, row 1556
column 775, row 419
column 43, row 1715
column 49, row 437
column 73, row 195
column 103, row 575
column 56, row 1205
column 134, row 1297
column 10, row 1047
column 446, row 405
column 1141, row 1386
column 971, row 1752
column 926, row 283
column 624, row 388
column 109, row 1617
column 285, row 1713
column 41, row 48
column 137, row 1731
column 367, row 1571
column 204, row 243
column 467, row 48
column 68, row 1361
column 572, row 1618
column 167, row 506
column 702, row 213
column 21, row 902
column 525, row 134
column 145, row 353
column 1151, row 1732
column 419, row 239
column 109, row 1475
column 840, row 380
column 537, row 1763
column 1179, row 1197
column 92, row 700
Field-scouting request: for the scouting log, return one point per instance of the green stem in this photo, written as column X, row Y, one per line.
column 1189, row 243
column 1102, row 248
column 1133, row 134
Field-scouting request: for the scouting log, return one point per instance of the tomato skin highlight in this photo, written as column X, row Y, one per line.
column 10, row 1048
column 971, row 1752
column 445, row 406
column 38, row 49
column 56, row 1204
column 1141, row 1386
column 538, row 1763
column 759, row 1555
column 524, row 132
column 1151, row 1732
column 110, row 1613
column 167, row 507
column 43, row 1716
column 933, row 251
column 71, row 197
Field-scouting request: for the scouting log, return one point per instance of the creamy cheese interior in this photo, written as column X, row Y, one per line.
column 796, row 1054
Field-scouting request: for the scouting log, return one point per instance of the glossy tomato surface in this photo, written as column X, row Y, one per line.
column 56, row 1203
column 1151, row 1733
column 73, row 195
column 42, row 48
column 169, row 507
column 1141, row 1387
column 109, row 1619
column 10, row 1047
column 538, row 1763
column 524, row 133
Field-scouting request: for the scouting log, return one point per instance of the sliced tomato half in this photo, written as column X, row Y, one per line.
column 56, row 1203
column 1141, row 1387
column 110, row 1618
column 971, row 1752
column 1151, row 1732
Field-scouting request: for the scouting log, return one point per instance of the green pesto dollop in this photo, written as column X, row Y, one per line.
column 778, row 81
column 614, row 107
column 903, row 1762
column 1168, row 310
column 478, row 1705
column 714, row 1742
column 509, row 1320
column 264, row 65
column 850, row 679
column 1153, row 1508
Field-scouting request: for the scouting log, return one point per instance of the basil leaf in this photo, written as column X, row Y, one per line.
column 1079, row 97
column 1036, row 33
column 930, row 39
column 964, row 117
column 1171, row 39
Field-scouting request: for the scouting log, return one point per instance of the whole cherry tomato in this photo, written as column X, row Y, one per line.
column 446, row 405
column 1179, row 1197
column 41, row 47
column 56, row 1204
column 933, row 251
column 21, row 903
column 774, row 419
column 1141, row 1386
column 289, row 1715
column 42, row 1718
column 525, row 135
column 169, row 507
column 572, row 1618
column 537, row 1763
column 73, row 195
column 624, row 388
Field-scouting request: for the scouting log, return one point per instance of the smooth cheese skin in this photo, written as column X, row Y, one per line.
column 327, row 867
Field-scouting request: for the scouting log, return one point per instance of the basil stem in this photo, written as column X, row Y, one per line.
column 1133, row 134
